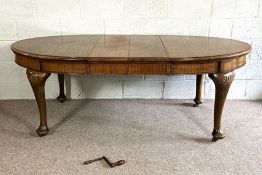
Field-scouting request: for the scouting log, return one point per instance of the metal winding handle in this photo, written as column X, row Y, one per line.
column 112, row 165
column 94, row 160
column 118, row 163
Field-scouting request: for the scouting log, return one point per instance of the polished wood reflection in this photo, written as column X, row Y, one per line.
column 131, row 48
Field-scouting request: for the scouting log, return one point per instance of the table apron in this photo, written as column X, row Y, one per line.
column 130, row 68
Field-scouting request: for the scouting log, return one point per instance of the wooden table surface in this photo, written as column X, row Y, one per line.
column 131, row 48
column 132, row 54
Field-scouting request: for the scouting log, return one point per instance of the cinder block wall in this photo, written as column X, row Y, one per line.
column 237, row 19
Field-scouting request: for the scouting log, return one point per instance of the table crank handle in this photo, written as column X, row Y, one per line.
column 112, row 165
column 118, row 163
column 91, row 161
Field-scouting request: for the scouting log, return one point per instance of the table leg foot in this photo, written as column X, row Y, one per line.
column 217, row 134
column 222, row 83
column 61, row 97
column 42, row 131
column 199, row 84
column 37, row 81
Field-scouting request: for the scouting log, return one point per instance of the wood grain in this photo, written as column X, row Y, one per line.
column 145, row 48
column 27, row 62
column 127, row 48
column 150, row 68
column 110, row 48
column 114, row 68
column 193, row 68
column 64, row 67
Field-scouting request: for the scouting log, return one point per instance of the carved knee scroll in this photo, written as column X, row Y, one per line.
column 222, row 83
column 37, row 81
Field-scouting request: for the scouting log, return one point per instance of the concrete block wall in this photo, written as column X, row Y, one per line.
column 237, row 19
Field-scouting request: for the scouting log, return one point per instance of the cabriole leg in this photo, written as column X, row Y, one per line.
column 61, row 96
column 199, row 84
column 37, row 81
column 222, row 83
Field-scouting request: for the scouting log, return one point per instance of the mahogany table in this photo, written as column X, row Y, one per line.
column 131, row 55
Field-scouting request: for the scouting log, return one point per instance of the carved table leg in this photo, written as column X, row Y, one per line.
column 37, row 81
column 199, row 84
column 61, row 96
column 222, row 83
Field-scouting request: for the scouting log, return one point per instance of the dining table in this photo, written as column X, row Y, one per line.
column 132, row 55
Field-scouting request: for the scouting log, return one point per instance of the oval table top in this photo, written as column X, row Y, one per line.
column 131, row 48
